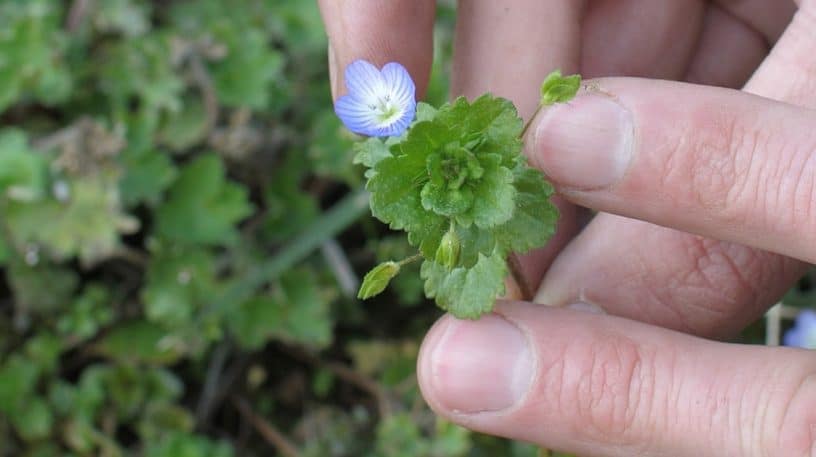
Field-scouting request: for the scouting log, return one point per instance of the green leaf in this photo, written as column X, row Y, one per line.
column 331, row 150
column 84, row 219
column 535, row 217
column 161, row 419
column 370, row 151
column 179, row 281
column 398, row 435
column 396, row 185
column 202, row 206
column 467, row 293
column 494, row 195
column 43, row 288
column 43, row 351
column 244, row 77
column 137, row 340
column 186, row 127
column 181, row 444
column 140, row 67
column 147, row 175
column 376, row 280
column 559, row 89
column 31, row 43
column 127, row 17
column 90, row 311
column 450, row 439
column 18, row 378
column 289, row 209
column 34, row 421
column 457, row 164
column 425, row 112
column 23, row 171
column 5, row 252
column 295, row 312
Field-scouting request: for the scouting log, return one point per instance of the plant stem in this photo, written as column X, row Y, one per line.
column 514, row 265
column 530, row 121
column 340, row 266
column 411, row 259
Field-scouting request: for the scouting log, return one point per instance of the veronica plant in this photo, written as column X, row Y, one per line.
column 454, row 178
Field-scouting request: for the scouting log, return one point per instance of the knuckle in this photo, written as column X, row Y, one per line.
column 704, row 169
column 615, row 390
column 720, row 168
column 747, row 173
column 731, row 270
column 719, row 278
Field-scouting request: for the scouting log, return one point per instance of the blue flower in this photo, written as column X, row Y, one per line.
column 379, row 102
column 803, row 333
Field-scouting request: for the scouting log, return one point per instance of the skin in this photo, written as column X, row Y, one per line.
column 707, row 222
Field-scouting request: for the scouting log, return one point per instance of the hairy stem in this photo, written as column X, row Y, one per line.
column 516, row 272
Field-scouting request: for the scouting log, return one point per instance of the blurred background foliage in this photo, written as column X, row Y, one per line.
column 181, row 232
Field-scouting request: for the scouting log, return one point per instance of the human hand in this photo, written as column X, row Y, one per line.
column 676, row 280
column 714, row 162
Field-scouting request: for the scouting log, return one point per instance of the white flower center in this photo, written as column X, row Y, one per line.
column 386, row 111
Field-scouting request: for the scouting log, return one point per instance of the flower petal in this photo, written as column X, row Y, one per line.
column 807, row 319
column 355, row 115
column 803, row 333
column 399, row 83
column 365, row 81
column 793, row 338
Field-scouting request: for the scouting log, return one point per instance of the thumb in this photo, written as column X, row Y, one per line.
column 598, row 385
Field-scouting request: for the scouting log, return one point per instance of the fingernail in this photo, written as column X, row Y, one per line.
column 586, row 308
column 585, row 144
column 480, row 366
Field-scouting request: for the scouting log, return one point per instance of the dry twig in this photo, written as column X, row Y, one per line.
column 268, row 431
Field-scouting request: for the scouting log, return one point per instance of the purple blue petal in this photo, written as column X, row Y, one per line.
column 399, row 82
column 803, row 332
column 364, row 80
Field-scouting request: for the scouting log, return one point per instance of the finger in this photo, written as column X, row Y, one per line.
column 380, row 32
column 789, row 72
column 604, row 386
column 769, row 18
column 645, row 38
column 668, row 278
column 507, row 48
column 728, row 51
column 722, row 163
column 674, row 279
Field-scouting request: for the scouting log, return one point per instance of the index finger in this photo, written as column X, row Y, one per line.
column 380, row 32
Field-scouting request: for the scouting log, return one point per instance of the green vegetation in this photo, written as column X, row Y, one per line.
column 181, row 234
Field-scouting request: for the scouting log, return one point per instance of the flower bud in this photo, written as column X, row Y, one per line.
column 447, row 254
column 377, row 279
